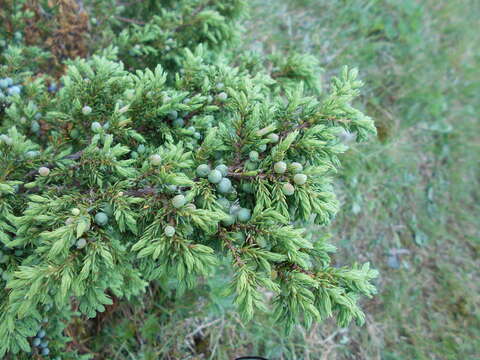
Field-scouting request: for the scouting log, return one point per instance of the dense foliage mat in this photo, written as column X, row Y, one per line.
column 140, row 148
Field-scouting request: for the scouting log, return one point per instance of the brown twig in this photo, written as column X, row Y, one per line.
column 74, row 156
column 131, row 21
column 235, row 252
column 239, row 175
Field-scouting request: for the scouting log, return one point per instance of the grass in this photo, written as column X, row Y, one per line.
column 414, row 192
column 415, row 189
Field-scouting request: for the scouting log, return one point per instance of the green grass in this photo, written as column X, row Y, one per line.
column 415, row 188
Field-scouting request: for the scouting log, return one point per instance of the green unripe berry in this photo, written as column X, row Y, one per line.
column 44, row 171
column 262, row 148
column 235, row 207
column 296, row 167
column 96, row 126
column 203, row 170
column 223, row 169
column 224, row 204
column 81, row 243
column 6, row 139
column 14, row 90
column 178, row 122
column 222, row 96
column 75, row 211
column 248, row 188
column 220, row 86
column 253, row 155
column 288, row 189
column 280, row 167
column 141, row 149
column 224, row 186
column 155, row 159
column 32, row 154
column 191, row 206
column 134, row 155
column 251, row 165
column 169, row 231
column 101, row 218
column 6, row 276
column 178, row 201
column 36, row 341
column 300, row 179
column 172, row 115
column 172, row 188
column 229, row 220
column 86, row 110
column 243, row 215
column 273, row 138
column 35, row 126
column 215, row 176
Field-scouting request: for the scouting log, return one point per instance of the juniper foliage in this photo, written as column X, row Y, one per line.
column 154, row 158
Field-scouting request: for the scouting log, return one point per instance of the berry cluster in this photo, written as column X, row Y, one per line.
column 178, row 121
column 8, row 89
column 95, row 126
column 101, row 219
column 6, row 139
column 235, row 212
column 218, row 177
column 298, row 178
column 53, row 87
column 40, row 342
